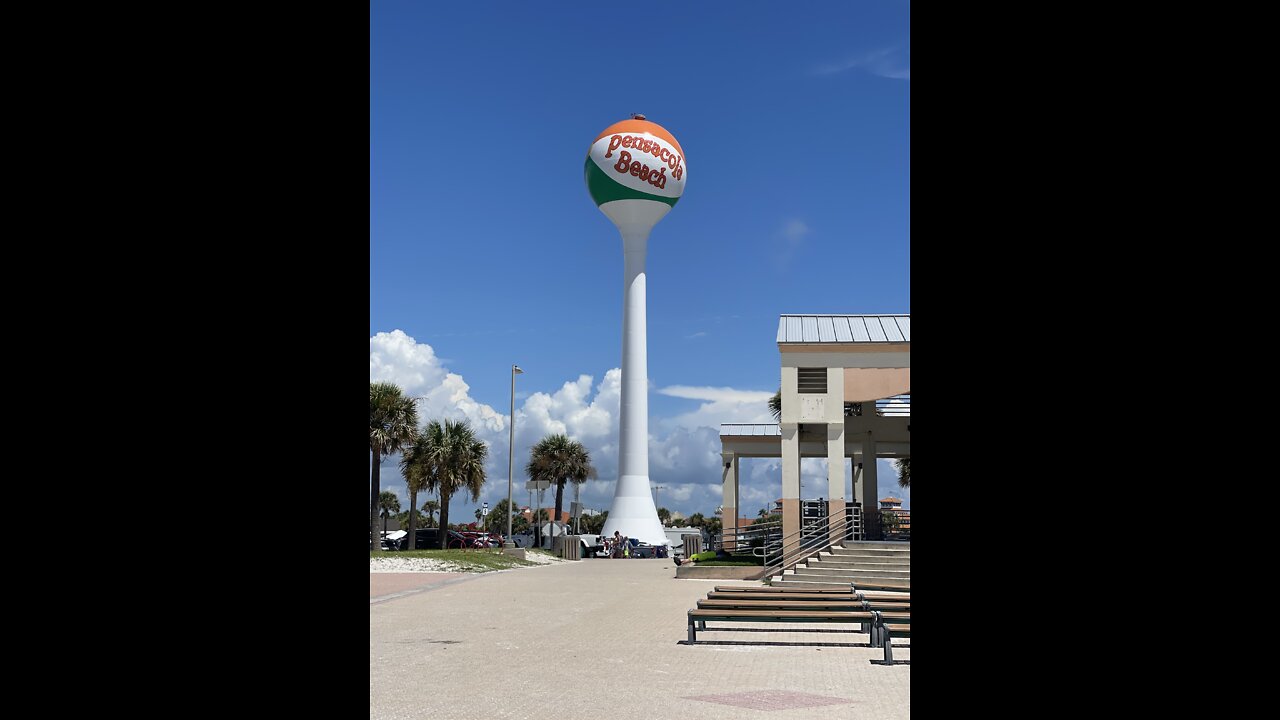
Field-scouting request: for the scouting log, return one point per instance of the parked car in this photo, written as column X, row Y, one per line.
column 424, row 539
column 640, row 549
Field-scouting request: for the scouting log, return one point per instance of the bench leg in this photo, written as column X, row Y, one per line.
column 693, row 632
column 888, row 649
column 702, row 624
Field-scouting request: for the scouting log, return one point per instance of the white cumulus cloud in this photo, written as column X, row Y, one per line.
column 684, row 450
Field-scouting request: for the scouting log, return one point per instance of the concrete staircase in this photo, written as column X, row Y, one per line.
column 851, row 563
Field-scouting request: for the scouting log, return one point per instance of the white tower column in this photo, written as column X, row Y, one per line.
column 633, row 512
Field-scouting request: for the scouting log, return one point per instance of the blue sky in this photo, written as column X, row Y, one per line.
column 486, row 250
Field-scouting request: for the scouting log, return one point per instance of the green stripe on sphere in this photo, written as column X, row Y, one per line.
column 605, row 189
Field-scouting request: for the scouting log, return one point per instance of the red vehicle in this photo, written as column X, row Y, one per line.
column 470, row 540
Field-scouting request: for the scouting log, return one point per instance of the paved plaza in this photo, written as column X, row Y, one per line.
column 603, row 639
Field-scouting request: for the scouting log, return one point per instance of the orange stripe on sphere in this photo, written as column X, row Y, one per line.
column 639, row 126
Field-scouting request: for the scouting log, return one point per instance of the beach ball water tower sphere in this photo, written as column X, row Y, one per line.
column 635, row 173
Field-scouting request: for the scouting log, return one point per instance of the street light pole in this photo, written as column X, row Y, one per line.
column 511, row 451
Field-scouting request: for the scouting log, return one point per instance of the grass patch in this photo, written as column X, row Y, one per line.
column 466, row 560
column 712, row 559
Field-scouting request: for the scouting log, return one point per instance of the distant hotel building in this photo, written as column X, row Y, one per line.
column 894, row 505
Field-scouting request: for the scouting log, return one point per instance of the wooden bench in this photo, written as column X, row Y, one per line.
column 884, row 632
column 698, row 618
column 842, row 597
column 776, row 589
column 763, row 600
column 845, row 605
column 882, row 585
column 803, row 601
column 889, row 586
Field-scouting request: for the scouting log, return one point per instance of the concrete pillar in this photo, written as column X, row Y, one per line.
column 857, row 478
column 835, row 479
column 870, row 492
column 856, row 461
column 790, row 485
column 729, row 501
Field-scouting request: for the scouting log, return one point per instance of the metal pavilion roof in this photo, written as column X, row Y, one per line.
column 844, row 328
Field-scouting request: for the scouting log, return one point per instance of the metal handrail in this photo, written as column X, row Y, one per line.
column 821, row 529
column 739, row 536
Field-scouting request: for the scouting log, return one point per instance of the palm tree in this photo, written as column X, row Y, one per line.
column 403, row 518
column 388, row 503
column 417, row 469
column 664, row 515
column 431, row 506
column 775, row 405
column 497, row 517
column 558, row 459
column 904, row 472
column 458, row 460
column 393, row 422
column 593, row 524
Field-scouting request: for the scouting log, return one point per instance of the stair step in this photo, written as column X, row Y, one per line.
column 850, row 578
column 789, row 582
column 869, row 552
column 815, row 585
column 819, row 567
column 843, row 561
column 876, row 545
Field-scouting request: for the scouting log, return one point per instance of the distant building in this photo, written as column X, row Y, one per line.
column 845, row 397
column 894, row 505
column 564, row 514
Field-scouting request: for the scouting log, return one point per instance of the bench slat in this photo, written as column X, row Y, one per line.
column 834, row 615
column 780, row 604
column 774, row 597
column 905, row 587
column 777, row 589
column 895, row 604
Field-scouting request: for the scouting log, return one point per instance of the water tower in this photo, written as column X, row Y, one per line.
column 635, row 173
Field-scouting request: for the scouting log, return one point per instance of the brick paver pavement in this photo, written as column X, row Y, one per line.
column 602, row 637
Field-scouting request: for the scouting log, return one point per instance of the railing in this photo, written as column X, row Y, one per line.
column 809, row 540
column 745, row 541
